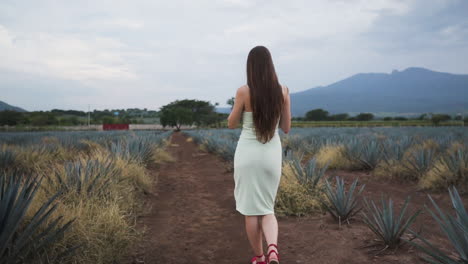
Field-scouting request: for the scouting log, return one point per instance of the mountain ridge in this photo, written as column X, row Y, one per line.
column 411, row 91
column 4, row 106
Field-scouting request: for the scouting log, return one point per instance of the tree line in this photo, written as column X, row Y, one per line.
column 58, row 117
column 320, row 114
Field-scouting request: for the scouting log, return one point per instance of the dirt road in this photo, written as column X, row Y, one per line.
column 193, row 220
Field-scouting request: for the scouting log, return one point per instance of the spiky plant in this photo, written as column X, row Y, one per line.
column 385, row 221
column 420, row 161
column 366, row 154
column 140, row 150
column 341, row 203
column 20, row 240
column 89, row 177
column 7, row 158
column 455, row 227
column 395, row 150
column 456, row 162
column 310, row 174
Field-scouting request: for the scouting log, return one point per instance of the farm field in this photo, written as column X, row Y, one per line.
column 153, row 197
column 393, row 163
column 76, row 194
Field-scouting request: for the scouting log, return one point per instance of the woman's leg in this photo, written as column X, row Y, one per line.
column 254, row 233
column 270, row 229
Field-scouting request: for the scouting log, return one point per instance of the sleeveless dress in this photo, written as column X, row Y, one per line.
column 257, row 170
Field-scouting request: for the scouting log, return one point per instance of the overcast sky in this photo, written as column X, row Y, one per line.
column 144, row 54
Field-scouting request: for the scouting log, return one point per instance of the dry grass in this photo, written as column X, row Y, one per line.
column 104, row 226
column 391, row 170
column 332, row 154
column 162, row 156
column 293, row 199
column 441, row 176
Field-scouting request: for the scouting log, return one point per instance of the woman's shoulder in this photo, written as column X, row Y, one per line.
column 243, row 89
column 285, row 89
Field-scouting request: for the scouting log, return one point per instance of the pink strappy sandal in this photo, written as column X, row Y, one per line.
column 275, row 251
column 256, row 259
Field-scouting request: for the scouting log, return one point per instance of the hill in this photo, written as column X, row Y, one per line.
column 412, row 91
column 4, row 106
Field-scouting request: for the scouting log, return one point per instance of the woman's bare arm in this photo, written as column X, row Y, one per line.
column 285, row 121
column 236, row 113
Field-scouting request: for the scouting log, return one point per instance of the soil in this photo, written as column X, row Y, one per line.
column 192, row 219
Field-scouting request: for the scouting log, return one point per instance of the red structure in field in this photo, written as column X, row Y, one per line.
column 115, row 126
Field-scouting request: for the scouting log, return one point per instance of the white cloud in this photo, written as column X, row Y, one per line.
column 150, row 52
column 68, row 56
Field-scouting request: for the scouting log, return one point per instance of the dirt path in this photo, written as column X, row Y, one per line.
column 193, row 220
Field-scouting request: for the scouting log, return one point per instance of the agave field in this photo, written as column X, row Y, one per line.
column 433, row 160
column 72, row 197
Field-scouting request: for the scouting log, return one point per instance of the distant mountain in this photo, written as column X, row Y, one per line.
column 4, row 106
column 412, row 91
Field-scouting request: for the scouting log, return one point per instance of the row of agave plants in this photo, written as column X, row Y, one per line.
column 305, row 187
column 72, row 197
column 434, row 157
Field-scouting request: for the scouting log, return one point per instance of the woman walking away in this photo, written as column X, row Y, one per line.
column 264, row 105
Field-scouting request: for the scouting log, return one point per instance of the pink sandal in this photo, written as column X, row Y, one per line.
column 275, row 250
column 256, row 259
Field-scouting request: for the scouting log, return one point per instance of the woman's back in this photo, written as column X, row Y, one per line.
column 248, row 103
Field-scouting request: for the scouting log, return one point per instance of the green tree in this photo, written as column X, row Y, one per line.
column 364, row 117
column 339, row 117
column 108, row 120
column 422, row 116
column 10, row 118
column 316, row 115
column 188, row 112
column 437, row 118
column 230, row 102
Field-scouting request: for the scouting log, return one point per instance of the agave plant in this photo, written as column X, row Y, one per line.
column 457, row 164
column 365, row 153
column 342, row 204
column 395, row 150
column 90, row 177
column 310, row 174
column 455, row 227
column 385, row 223
column 140, row 150
column 7, row 158
column 420, row 161
column 21, row 240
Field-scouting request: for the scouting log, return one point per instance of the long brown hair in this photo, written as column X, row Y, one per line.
column 266, row 94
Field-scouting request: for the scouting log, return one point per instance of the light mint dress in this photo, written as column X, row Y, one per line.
column 257, row 170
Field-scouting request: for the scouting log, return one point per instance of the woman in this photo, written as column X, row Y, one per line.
column 264, row 105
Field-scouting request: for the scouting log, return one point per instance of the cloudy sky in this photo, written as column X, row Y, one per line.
column 125, row 54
